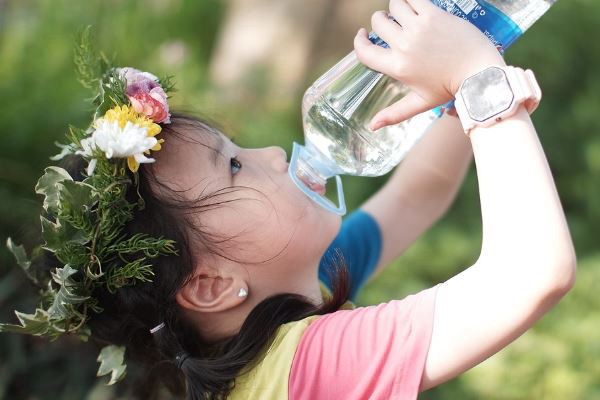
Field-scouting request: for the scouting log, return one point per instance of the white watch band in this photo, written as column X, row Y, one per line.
column 523, row 85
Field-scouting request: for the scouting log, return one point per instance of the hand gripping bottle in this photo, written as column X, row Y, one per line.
column 337, row 108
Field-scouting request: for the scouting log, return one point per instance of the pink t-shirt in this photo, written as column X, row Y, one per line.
column 375, row 352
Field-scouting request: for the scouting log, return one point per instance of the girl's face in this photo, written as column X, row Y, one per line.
column 251, row 209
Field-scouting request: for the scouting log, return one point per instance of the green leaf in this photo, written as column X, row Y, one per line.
column 65, row 150
column 56, row 235
column 87, row 61
column 111, row 361
column 167, row 84
column 19, row 253
column 111, row 93
column 75, row 196
column 37, row 324
column 76, row 135
column 37, row 275
column 52, row 234
column 49, row 186
column 66, row 295
column 62, row 275
column 128, row 274
column 141, row 242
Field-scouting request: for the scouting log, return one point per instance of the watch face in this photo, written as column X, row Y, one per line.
column 487, row 94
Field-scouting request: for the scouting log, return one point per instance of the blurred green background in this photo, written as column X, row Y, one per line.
column 245, row 64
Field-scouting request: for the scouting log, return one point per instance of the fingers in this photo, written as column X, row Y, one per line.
column 402, row 11
column 371, row 55
column 419, row 6
column 385, row 27
column 405, row 108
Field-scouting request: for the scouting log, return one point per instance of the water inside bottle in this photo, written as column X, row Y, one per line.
column 335, row 123
column 340, row 104
column 338, row 107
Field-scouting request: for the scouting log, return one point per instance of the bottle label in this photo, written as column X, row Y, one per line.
column 378, row 41
column 497, row 26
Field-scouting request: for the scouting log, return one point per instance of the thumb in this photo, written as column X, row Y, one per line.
column 405, row 108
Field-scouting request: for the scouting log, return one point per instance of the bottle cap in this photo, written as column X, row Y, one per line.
column 303, row 173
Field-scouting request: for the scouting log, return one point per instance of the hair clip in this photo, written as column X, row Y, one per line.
column 157, row 328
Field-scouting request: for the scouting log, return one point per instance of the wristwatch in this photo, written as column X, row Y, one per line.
column 494, row 94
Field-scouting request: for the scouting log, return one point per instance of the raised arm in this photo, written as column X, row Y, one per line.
column 527, row 260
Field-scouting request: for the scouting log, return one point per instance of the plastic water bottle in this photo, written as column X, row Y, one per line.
column 337, row 108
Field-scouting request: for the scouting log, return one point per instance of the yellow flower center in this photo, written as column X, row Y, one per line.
column 124, row 114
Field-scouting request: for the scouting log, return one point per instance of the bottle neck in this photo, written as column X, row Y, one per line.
column 309, row 170
column 315, row 165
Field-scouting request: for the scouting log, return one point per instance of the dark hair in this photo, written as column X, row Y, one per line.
column 210, row 368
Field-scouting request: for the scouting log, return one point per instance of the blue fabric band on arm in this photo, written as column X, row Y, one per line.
column 359, row 242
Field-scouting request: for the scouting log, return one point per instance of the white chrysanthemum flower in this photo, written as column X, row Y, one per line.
column 88, row 146
column 91, row 166
column 131, row 140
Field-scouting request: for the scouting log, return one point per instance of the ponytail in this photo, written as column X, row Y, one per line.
column 210, row 370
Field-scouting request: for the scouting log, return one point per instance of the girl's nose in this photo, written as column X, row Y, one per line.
column 280, row 152
column 277, row 157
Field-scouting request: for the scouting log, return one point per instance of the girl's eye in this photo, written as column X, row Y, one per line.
column 236, row 165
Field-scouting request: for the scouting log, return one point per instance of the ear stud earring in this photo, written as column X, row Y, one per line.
column 242, row 293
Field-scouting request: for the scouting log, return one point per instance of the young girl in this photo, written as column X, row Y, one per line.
column 240, row 311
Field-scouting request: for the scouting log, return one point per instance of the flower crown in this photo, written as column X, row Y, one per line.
column 83, row 222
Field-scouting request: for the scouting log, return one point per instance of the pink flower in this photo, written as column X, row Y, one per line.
column 146, row 95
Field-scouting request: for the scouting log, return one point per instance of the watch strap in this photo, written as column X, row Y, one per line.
column 525, row 90
column 525, row 87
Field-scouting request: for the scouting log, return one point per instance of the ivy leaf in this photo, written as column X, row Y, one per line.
column 19, row 253
column 24, row 262
column 37, row 324
column 66, row 295
column 76, row 196
column 51, row 232
column 111, row 361
column 49, row 186
column 57, row 235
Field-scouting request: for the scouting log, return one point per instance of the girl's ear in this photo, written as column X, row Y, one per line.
column 212, row 291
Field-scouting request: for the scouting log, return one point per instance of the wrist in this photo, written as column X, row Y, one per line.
column 521, row 116
column 473, row 68
column 495, row 93
column 449, row 109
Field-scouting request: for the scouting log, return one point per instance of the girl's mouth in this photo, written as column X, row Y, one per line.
column 316, row 187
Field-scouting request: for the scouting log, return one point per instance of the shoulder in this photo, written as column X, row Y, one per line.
column 377, row 351
column 267, row 378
